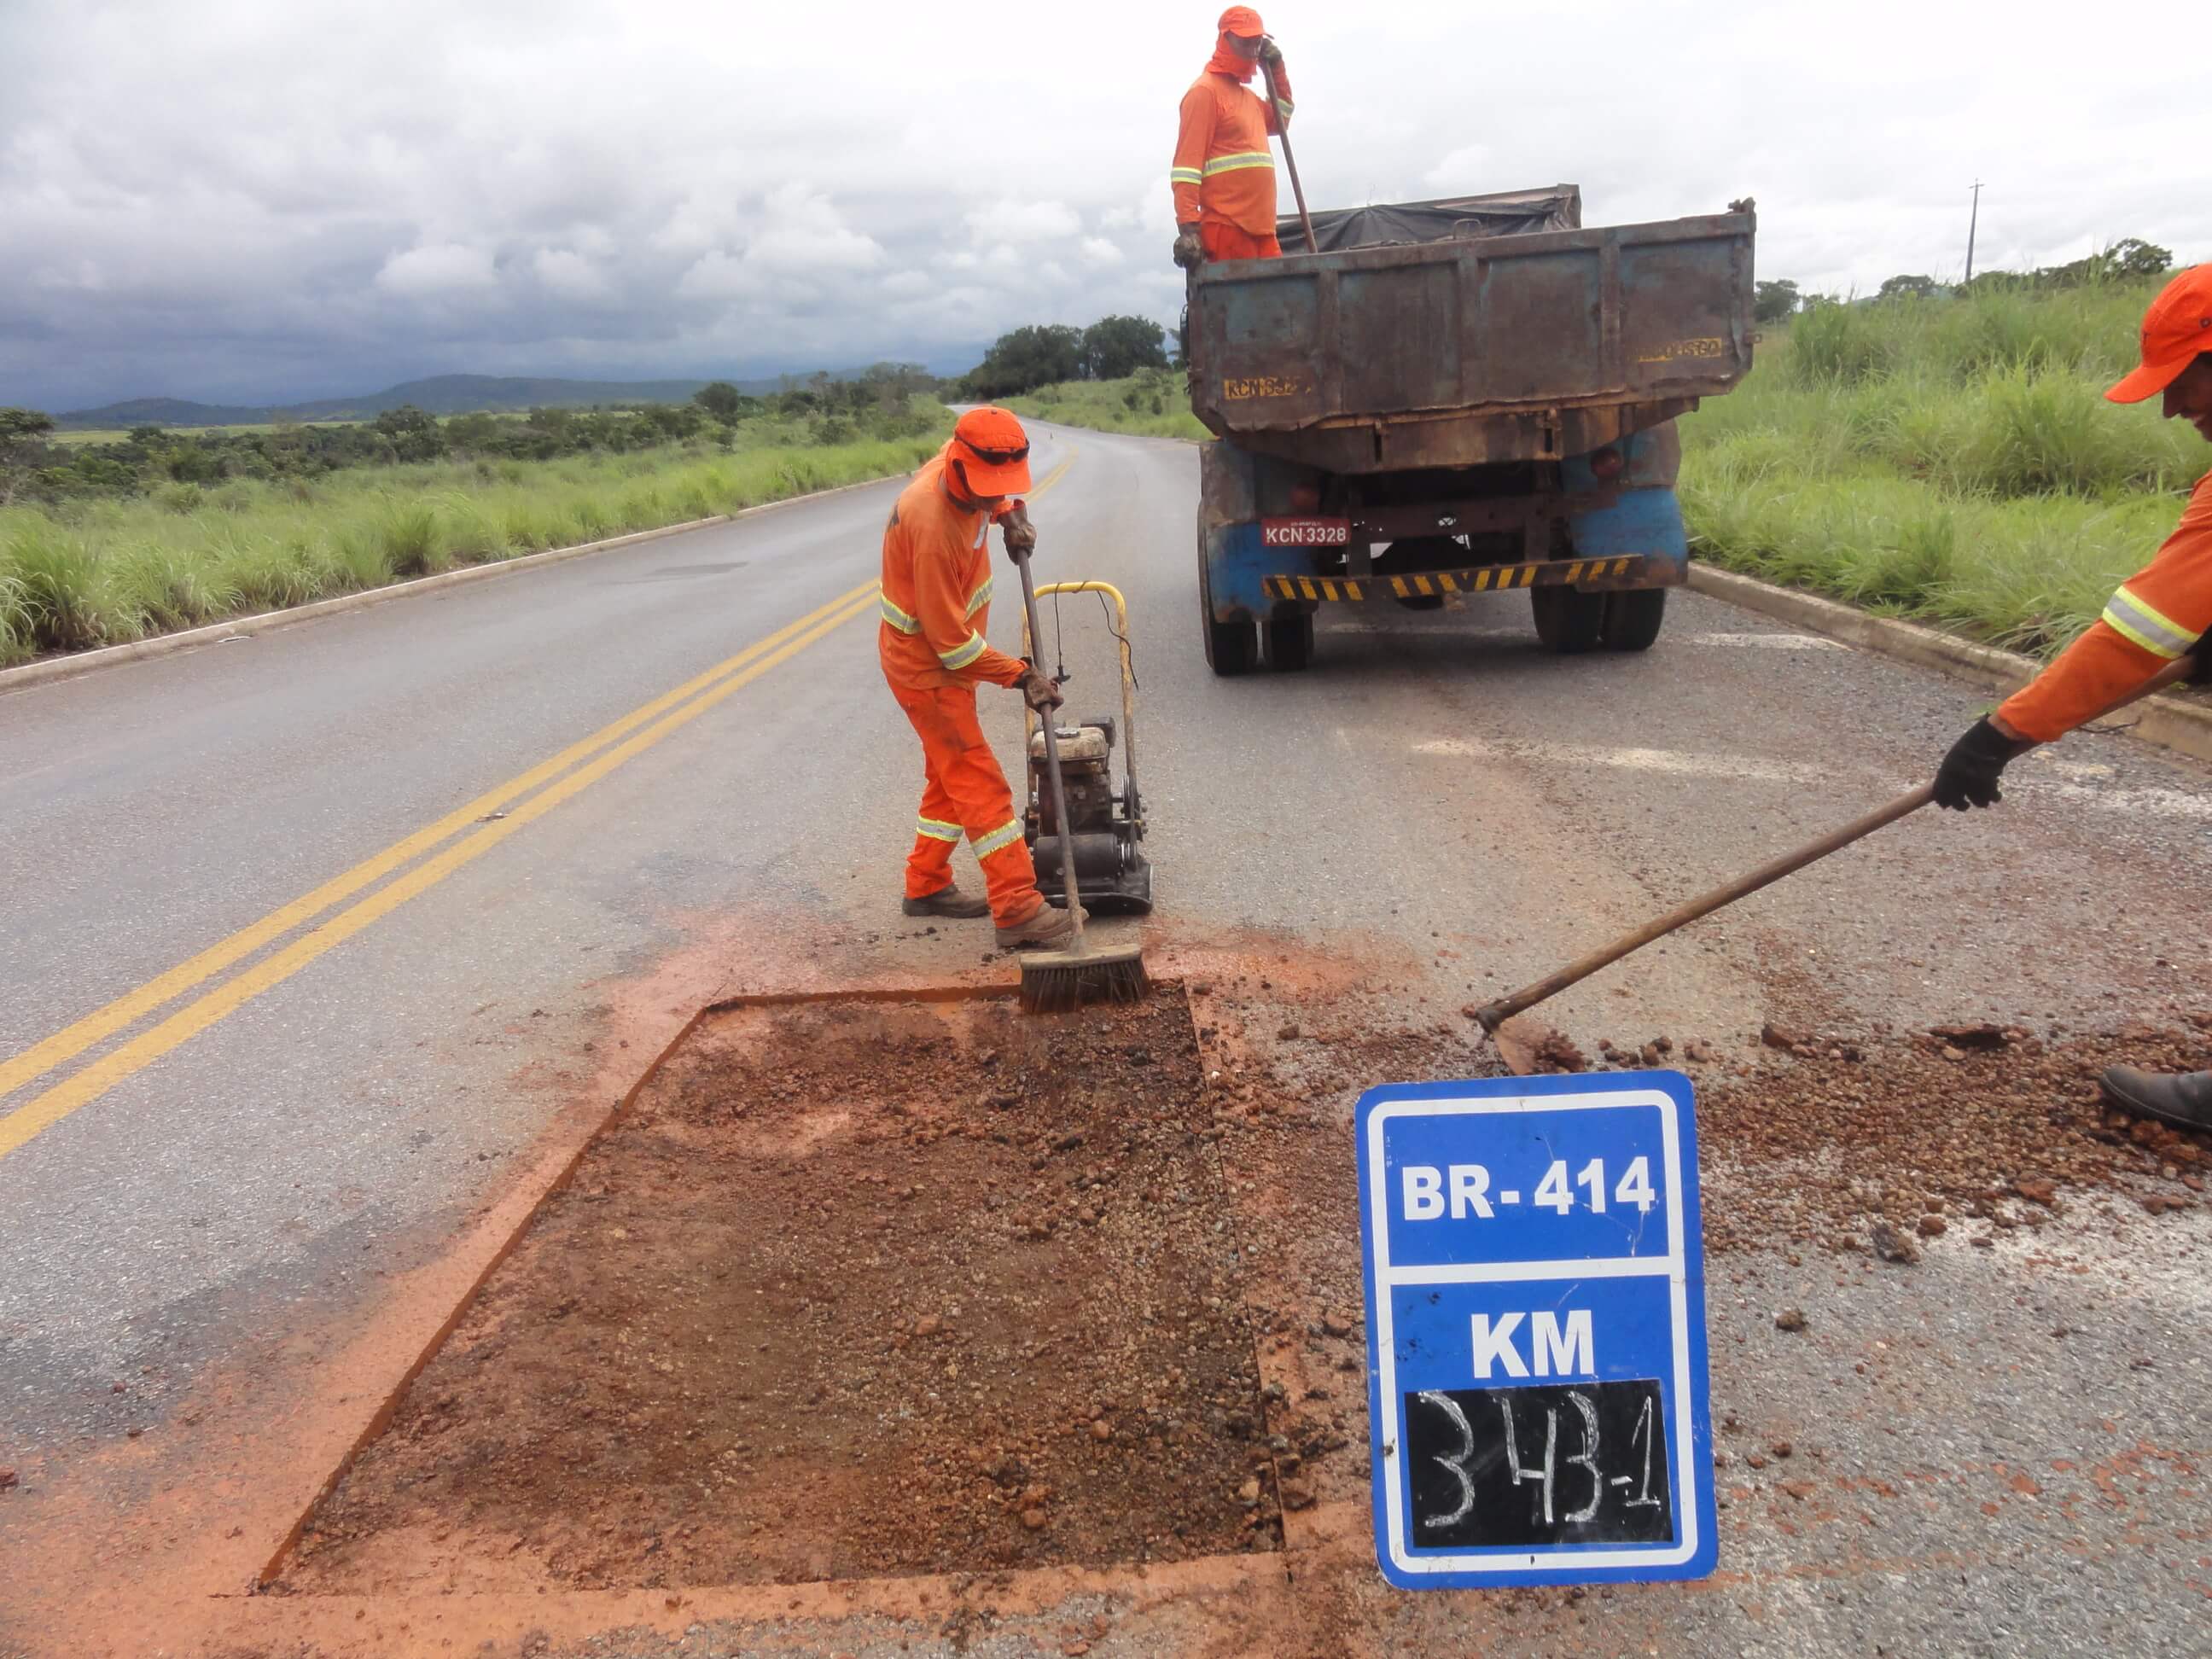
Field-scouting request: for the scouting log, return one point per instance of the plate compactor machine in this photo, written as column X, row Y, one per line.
column 1108, row 823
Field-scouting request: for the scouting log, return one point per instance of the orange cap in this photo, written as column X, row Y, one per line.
column 1242, row 21
column 993, row 451
column 2177, row 327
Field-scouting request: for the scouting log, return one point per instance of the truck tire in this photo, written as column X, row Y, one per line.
column 1633, row 618
column 1291, row 642
column 1231, row 647
column 1568, row 620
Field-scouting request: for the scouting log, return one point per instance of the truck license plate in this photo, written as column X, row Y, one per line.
column 1305, row 532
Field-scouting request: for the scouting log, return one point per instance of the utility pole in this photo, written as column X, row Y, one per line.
column 1973, row 220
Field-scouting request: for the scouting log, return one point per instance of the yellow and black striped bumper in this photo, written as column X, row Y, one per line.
column 1627, row 571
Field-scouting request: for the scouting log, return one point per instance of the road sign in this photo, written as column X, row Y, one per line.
column 1536, row 1331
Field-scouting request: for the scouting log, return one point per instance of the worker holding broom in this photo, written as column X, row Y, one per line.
column 2161, row 613
column 1224, row 173
column 936, row 605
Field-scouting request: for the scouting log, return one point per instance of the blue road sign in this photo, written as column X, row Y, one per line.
column 1536, row 1331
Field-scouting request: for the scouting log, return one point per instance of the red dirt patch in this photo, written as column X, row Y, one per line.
column 853, row 1291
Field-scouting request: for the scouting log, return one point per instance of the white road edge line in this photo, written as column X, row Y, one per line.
column 49, row 669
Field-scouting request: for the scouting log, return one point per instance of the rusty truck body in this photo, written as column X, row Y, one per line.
column 1454, row 398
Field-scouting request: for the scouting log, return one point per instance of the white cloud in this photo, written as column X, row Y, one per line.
column 1011, row 222
column 437, row 270
column 570, row 275
column 408, row 190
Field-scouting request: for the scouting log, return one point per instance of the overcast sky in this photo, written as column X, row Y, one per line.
column 238, row 201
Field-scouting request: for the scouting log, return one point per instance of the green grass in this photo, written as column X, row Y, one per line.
column 1152, row 403
column 104, row 571
column 72, row 437
column 1950, row 459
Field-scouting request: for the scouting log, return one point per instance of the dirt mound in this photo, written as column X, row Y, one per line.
column 854, row 1291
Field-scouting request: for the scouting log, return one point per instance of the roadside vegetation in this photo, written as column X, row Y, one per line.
column 113, row 564
column 1153, row 403
column 1946, row 456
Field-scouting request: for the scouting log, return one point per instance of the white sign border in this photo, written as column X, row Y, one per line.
column 1673, row 1264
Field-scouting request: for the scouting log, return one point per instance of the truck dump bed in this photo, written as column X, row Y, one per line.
column 1472, row 330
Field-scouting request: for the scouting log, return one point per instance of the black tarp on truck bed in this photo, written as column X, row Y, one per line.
column 1508, row 213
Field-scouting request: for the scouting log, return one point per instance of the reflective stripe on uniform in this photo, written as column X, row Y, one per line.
column 979, row 598
column 937, row 830
column 896, row 617
column 1283, row 107
column 960, row 656
column 1183, row 175
column 2143, row 625
column 999, row 839
column 1250, row 158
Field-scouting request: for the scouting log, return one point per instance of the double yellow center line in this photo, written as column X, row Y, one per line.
column 631, row 735
column 600, row 753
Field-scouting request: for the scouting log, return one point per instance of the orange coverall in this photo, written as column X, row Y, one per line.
column 1224, row 173
column 2158, row 615
column 936, row 606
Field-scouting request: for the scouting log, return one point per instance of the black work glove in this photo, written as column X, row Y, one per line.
column 1037, row 689
column 1968, row 775
column 1189, row 251
column 2200, row 672
column 1016, row 532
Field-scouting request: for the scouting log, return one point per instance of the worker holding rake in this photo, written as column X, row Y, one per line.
column 2160, row 614
column 936, row 605
column 1224, row 173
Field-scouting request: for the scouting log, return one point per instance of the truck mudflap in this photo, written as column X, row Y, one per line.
column 1624, row 571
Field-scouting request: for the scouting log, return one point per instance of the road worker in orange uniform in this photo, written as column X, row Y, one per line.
column 2162, row 612
column 936, row 607
column 1224, row 173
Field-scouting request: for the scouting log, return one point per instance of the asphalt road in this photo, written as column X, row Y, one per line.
column 1435, row 791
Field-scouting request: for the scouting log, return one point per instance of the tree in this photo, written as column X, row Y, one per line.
column 1116, row 346
column 414, row 434
column 2131, row 256
column 1909, row 287
column 1026, row 359
column 1774, row 301
column 20, row 425
column 719, row 399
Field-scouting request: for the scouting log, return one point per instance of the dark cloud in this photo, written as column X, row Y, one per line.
column 240, row 201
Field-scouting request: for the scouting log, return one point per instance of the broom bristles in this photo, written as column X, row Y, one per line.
column 1052, row 989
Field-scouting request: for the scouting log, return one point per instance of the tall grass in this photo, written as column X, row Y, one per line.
column 104, row 571
column 1151, row 404
column 1952, row 459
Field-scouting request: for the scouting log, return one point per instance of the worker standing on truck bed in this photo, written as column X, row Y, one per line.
column 2162, row 612
column 1224, row 173
column 936, row 603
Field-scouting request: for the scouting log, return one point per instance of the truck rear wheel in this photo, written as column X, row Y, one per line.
column 1633, row 618
column 1291, row 642
column 1231, row 647
column 1568, row 620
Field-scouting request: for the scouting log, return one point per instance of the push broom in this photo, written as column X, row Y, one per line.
column 1054, row 980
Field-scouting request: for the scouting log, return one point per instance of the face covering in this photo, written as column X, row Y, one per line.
column 1225, row 61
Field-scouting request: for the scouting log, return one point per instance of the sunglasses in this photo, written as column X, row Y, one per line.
column 996, row 457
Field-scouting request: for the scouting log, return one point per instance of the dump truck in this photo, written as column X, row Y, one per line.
column 1456, row 398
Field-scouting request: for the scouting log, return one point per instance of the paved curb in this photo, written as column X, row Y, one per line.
column 162, row 645
column 2170, row 722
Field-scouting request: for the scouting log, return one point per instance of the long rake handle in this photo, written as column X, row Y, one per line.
column 1052, row 765
column 1494, row 1014
column 1291, row 163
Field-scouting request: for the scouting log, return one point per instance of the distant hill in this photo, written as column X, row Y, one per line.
column 442, row 394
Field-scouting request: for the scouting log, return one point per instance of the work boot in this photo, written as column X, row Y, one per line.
column 1047, row 930
column 947, row 902
column 2182, row 1098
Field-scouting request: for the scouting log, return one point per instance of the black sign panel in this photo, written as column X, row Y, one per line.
column 1574, row 1463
